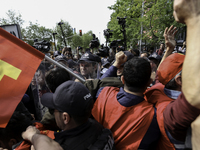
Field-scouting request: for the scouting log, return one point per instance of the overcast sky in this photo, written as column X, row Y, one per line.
column 83, row 15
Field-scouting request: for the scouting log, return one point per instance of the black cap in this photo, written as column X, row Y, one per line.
column 129, row 55
column 60, row 57
column 89, row 57
column 155, row 56
column 72, row 63
column 71, row 97
column 136, row 52
column 104, row 62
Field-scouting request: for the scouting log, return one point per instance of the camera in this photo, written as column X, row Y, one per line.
column 108, row 33
column 42, row 46
column 94, row 43
column 121, row 21
column 80, row 48
column 103, row 51
column 115, row 43
column 120, row 48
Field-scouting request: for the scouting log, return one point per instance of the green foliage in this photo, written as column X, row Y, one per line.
column 87, row 37
column 68, row 32
column 35, row 31
column 76, row 41
column 31, row 32
column 12, row 18
column 154, row 16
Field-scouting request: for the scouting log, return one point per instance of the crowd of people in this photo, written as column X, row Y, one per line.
column 126, row 100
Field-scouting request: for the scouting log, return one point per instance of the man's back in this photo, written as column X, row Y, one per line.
column 129, row 125
column 84, row 137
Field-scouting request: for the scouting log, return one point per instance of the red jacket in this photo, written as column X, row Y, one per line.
column 156, row 95
column 128, row 124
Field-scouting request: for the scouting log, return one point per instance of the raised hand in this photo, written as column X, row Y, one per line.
column 169, row 35
column 120, row 58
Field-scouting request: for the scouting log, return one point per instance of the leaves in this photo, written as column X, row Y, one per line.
column 152, row 17
column 12, row 18
column 35, row 31
column 67, row 31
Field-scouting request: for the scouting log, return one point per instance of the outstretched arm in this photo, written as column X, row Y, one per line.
column 120, row 58
column 188, row 12
column 39, row 141
column 170, row 42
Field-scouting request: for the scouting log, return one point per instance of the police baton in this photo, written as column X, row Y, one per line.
column 66, row 68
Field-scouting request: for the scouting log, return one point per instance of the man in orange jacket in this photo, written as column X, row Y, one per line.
column 124, row 110
column 176, row 97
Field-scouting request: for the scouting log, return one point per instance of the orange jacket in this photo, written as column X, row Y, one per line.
column 128, row 124
column 156, row 95
column 25, row 145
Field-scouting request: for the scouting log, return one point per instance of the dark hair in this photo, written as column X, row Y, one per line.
column 156, row 61
column 17, row 124
column 55, row 77
column 163, row 45
column 136, row 52
column 67, row 49
column 137, row 72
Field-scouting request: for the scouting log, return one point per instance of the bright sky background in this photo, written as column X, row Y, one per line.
column 81, row 14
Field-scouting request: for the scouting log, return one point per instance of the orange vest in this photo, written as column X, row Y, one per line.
column 156, row 95
column 128, row 124
column 25, row 145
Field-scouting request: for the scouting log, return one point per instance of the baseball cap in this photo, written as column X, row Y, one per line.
column 170, row 67
column 89, row 57
column 72, row 63
column 71, row 97
column 129, row 55
column 60, row 57
column 155, row 56
column 104, row 62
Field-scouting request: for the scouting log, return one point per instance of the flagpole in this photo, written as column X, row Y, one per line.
column 67, row 69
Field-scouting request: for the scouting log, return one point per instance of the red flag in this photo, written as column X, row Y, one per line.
column 18, row 63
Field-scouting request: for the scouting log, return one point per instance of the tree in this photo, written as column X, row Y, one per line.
column 13, row 18
column 31, row 32
column 152, row 15
column 68, row 33
column 35, row 31
column 76, row 41
column 87, row 37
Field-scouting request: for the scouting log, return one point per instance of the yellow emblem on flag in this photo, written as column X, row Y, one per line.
column 8, row 70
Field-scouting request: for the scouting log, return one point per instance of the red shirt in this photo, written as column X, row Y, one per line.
column 156, row 95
